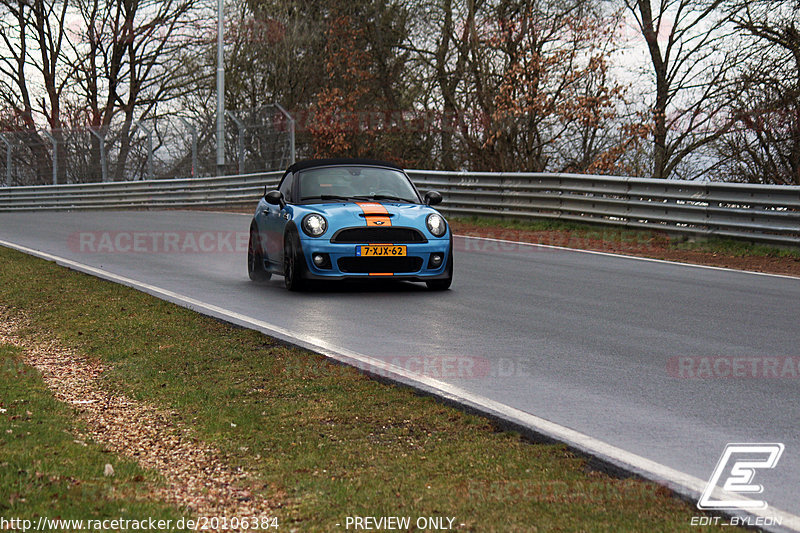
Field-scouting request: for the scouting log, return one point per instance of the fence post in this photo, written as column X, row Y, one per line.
column 291, row 132
column 54, row 142
column 189, row 126
column 8, row 159
column 149, row 133
column 239, row 126
column 101, row 136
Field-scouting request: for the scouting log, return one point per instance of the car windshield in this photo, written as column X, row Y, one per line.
column 355, row 183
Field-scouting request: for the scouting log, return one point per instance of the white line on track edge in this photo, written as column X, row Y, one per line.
column 689, row 486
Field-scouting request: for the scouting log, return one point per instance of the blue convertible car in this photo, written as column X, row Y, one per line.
column 333, row 219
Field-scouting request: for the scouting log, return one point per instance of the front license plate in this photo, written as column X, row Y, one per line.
column 380, row 250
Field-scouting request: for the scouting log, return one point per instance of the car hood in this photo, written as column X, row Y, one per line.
column 342, row 215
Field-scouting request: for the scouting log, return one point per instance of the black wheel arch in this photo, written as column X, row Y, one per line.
column 293, row 232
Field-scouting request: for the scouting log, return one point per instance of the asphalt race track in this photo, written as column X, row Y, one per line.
column 591, row 342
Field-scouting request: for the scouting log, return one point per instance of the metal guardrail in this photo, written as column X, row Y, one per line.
column 762, row 213
column 220, row 191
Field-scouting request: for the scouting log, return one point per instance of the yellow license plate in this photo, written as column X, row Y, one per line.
column 380, row 250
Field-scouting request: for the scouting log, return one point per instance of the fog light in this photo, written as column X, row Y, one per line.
column 321, row 260
column 436, row 260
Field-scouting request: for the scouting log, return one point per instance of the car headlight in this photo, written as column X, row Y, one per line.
column 314, row 225
column 436, row 224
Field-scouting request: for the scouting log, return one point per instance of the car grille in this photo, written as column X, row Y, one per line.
column 365, row 265
column 370, row 235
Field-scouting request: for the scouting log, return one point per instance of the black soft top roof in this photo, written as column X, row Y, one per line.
column 310, row 163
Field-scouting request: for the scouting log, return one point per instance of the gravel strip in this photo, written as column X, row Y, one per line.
column 198, row 478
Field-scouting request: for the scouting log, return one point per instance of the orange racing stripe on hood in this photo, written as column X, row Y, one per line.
column 375, row 214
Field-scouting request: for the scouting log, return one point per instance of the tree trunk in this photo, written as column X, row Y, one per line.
column 124, row 149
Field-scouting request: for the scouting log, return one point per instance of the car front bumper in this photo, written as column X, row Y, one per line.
column 344, row 262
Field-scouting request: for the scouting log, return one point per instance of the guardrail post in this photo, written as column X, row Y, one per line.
column 149, row 133
column 9, row 163
column 628, row 202
column 193, row 130
column 290, row 119
column 54, row 142
column 101, row 136
column 240, row 145
column 507, row 193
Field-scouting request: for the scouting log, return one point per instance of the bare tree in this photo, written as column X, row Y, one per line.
column 360, row 107
column 690, row 66
column 764, row 147
column 449, row 61
column 34, row 38
column 537, row 73
column 276, row 51
column 133, row 58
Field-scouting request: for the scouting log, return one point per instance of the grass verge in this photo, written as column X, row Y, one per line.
column 332, row 441
column 47, row 470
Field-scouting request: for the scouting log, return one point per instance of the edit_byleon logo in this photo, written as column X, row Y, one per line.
column 739, row 463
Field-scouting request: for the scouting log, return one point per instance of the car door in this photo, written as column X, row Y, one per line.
column 275, row 219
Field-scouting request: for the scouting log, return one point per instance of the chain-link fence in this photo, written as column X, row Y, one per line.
column 256, row 140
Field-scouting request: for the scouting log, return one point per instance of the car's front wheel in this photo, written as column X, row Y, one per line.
column 292, row 273
column 255, row 258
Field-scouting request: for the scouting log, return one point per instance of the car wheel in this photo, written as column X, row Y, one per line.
column 292, row 274
column 443, row 284
column 255, row 258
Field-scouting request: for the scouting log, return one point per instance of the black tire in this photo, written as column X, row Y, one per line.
column 255, row 258
column 292, row 266
column 443, row 284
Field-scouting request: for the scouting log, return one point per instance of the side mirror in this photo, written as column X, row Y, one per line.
column 433, row 198
column 275, row 198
